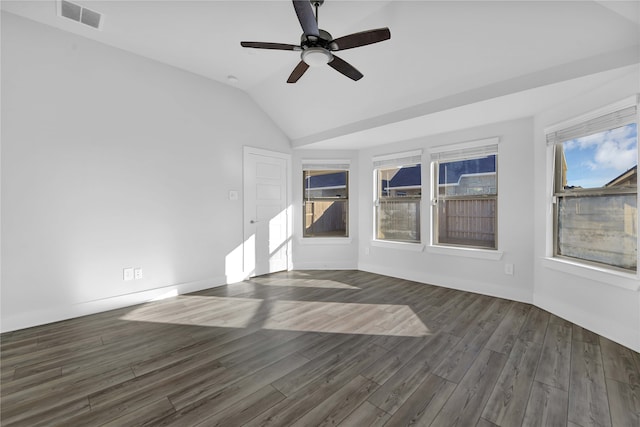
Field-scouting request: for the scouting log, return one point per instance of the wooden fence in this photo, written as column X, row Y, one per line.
column 325, row 218
column 399, row 220
column 467, row 222
column 599, row 228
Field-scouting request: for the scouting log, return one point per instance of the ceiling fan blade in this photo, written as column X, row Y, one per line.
column 298, row 72
column 345, row 68
column 362, row 38
column 307, row 19
column 265, row 45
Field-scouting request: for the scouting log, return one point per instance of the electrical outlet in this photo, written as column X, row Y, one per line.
column 127, row 273
column 508, row 269
column 137, row 273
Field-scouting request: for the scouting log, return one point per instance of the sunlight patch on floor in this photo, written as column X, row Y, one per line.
column 198, row 311
column 300, row 316
column 349, row 318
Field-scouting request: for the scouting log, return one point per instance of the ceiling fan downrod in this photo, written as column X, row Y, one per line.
column 317, row 4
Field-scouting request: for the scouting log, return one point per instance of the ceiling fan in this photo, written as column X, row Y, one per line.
column 317, row 46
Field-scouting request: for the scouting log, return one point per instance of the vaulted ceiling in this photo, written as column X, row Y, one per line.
column 448, row 64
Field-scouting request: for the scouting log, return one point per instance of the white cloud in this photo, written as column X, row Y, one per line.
column 616, row 149
column 616, row 155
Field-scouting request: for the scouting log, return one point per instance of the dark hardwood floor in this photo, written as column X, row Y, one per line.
column 315, row 348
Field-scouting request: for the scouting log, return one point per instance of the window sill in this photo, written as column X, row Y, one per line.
column 403, row 246
column 628, row 281
column 325, row 241
column 493, row 255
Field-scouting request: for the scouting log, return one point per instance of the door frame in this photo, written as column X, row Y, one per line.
column 246, row 152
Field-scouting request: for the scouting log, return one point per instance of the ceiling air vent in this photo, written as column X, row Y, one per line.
column 80, row 14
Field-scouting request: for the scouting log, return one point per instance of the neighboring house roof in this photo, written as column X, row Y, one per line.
column 411, row 176
column 628, row 177
column 455, row 170
column 406, row 177
column 330, row 180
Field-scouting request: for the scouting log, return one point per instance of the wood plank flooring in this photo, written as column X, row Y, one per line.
column 314, row 348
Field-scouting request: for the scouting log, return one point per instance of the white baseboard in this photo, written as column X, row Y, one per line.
column 626, row 335
column 56, row 314
column 475, row 286
column 324, row 266
column 237, row 277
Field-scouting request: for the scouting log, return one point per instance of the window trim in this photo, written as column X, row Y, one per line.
column 397, row 245
column 329, row 240
column 584, row 268
column 319, row 165
column 596, row 273
column 405, row 158
column 456, row 152
column 466, row 252
column 398, row 159
column 603, row 111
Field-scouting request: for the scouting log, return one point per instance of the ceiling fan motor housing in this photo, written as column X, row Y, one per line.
column 325, row 40
column 316, row 51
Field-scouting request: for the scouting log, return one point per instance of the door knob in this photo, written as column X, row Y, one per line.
column 253, row 221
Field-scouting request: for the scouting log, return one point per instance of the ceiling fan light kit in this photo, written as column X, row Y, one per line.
column 316, row 56
column 317, row 45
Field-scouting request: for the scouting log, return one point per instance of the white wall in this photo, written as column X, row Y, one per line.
column 322, row 252
column 453, row 269
column 110, row 160
column 608, row 304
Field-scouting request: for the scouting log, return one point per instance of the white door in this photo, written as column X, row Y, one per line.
column 266, row 216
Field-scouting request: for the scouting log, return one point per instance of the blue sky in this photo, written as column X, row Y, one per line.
column 594, row 160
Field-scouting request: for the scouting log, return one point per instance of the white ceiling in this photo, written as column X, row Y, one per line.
column 446, row 61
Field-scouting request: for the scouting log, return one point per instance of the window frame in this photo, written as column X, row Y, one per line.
column 327, row 166
column 399, row 160
column 554, row 143
column 457, row 152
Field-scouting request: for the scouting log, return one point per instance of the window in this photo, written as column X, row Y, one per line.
column 326, row 200
column 398, row 187
column 465, row 202
column 595, row 189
